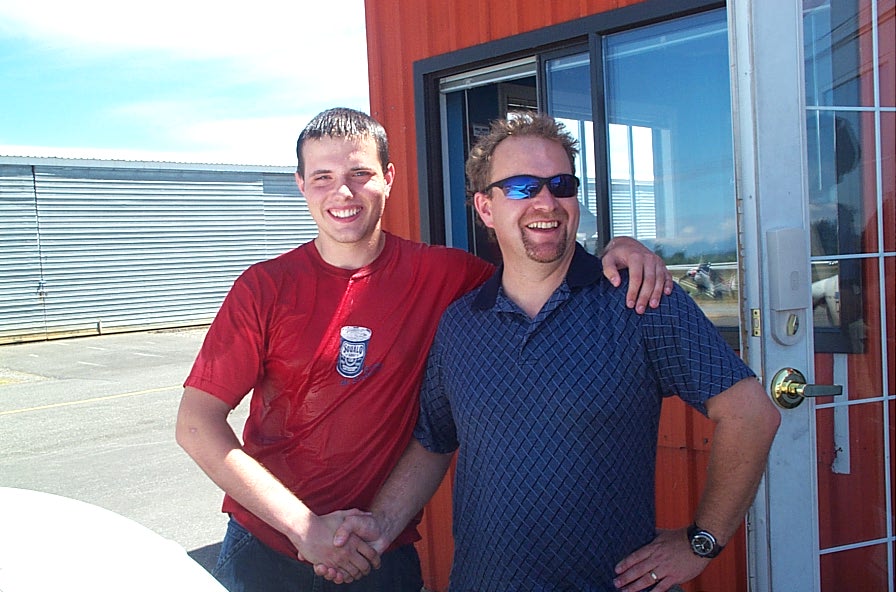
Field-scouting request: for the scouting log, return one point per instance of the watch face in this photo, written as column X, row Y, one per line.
column 702, row 544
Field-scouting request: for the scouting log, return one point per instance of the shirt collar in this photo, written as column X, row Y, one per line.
column 584, row 269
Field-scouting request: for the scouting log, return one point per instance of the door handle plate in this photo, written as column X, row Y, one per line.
column 789, row 388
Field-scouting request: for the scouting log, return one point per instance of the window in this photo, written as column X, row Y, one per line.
column 655, row 137
column 670, row 152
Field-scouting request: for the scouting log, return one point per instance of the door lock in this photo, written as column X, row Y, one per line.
column 789, row 388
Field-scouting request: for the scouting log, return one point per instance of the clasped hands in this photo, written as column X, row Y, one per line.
column 343, row 546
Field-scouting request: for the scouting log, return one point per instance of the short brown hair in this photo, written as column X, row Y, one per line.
column 343, row 123
column 540, row 125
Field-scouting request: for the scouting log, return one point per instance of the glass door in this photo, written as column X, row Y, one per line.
column 850, row 92
column 815, row 98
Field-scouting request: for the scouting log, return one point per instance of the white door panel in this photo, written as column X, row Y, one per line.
column 770, row 147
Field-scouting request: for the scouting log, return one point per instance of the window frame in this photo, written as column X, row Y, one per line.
column 584, row 34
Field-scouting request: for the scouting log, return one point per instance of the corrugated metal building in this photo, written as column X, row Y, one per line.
column 92, row 246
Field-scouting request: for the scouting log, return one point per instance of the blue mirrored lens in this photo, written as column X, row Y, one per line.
column 526, row 186
column 521, row 187
column 563, row 185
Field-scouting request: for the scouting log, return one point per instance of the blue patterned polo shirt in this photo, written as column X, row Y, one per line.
column 556, row 423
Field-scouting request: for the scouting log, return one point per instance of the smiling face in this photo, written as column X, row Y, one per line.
column 346, row 190
column 540, row 229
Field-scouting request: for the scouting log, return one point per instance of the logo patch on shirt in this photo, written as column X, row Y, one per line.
column 352, row 350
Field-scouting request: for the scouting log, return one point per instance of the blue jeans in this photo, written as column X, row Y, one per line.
column 248, row 565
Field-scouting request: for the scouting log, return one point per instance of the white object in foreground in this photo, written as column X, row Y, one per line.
column 50, row 543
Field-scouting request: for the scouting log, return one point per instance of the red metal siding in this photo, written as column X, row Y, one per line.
column 401, row 32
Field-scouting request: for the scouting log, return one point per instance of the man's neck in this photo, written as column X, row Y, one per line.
column 351, row 255
column 531, row 286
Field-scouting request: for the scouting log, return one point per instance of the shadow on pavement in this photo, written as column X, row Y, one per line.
column 206, row 556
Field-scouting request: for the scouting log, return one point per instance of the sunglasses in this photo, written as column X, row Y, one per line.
column 526, row 186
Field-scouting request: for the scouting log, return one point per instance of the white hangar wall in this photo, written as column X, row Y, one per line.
column 99, row 246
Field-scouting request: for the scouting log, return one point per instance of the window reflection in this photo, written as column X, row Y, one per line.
column 836, row 192
column 670, row 153
column 840, row 224
column 841, row 133
column 837, row 306
column 840, row 63
column 632, row 192
column 569, row 100
column 826, row 294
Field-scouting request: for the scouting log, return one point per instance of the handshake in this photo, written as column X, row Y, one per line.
column 343, row 546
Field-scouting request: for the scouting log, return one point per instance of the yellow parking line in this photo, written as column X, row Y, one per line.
column 91, row 400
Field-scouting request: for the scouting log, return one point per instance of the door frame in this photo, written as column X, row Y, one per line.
column 768, row 98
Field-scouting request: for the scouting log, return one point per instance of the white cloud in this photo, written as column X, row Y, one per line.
column 268, row 141
column 282, row 32
column 322, row 41
column 300, row 57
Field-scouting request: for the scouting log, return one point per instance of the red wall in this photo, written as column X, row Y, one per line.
column 401, row 32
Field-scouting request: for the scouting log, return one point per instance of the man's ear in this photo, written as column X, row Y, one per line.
column 389, row 176
column 300, row 181
column 483, row 205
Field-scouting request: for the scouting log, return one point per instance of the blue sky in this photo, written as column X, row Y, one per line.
column 180, row 80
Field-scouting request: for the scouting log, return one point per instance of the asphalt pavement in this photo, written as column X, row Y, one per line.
column 92, row 418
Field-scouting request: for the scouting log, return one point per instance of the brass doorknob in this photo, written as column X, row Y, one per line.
column 789, row 388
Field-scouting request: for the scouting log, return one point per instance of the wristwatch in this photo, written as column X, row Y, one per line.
column 703, row 543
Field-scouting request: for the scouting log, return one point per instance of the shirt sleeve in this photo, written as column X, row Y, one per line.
column 688, row 353
column 475, row 270
column 229, row 363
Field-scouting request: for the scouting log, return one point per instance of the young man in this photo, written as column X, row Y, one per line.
column 331, row 340
column 550, row 390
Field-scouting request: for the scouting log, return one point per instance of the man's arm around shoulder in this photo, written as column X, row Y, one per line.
column 649, row 278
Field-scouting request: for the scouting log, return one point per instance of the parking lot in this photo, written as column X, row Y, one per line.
column 92, row 418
